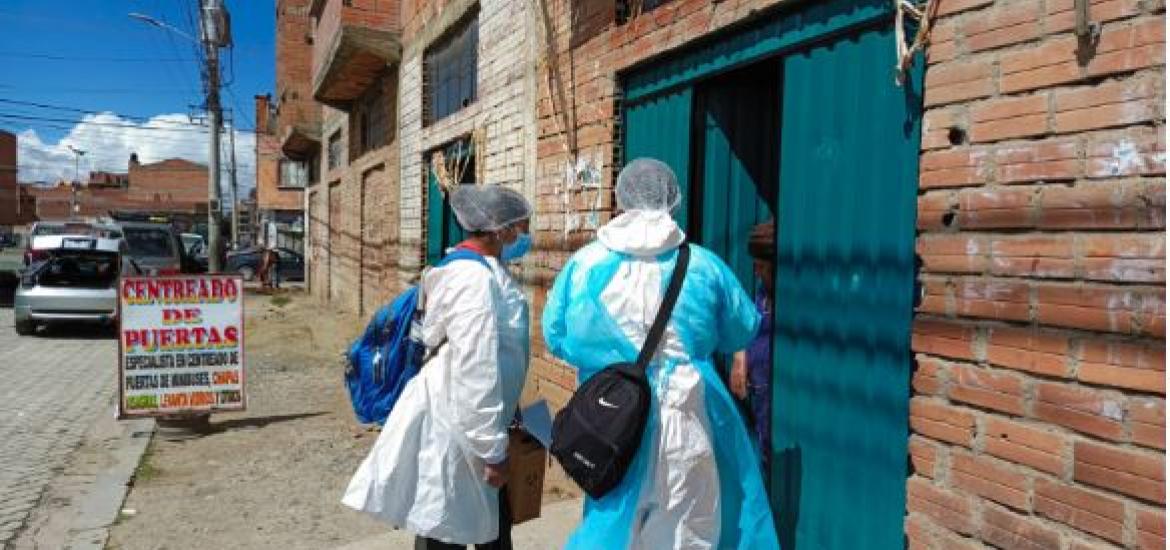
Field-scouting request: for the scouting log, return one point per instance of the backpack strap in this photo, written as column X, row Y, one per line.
column 658, row 329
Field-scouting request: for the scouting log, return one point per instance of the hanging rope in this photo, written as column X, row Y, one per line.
column 922, row 14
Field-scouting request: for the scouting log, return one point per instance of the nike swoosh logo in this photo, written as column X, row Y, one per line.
column 601, row 401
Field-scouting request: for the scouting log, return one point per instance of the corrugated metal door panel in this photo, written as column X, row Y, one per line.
column 736, row 172
column 660, row 127
column 844, row 283
column 443, row 229
column 796, row 23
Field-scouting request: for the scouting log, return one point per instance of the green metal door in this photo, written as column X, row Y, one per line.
column 443, row 230
column 844, row 280
column 736, row 163
column 660, row 127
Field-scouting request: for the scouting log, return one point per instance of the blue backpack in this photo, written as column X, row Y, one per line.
column 389, row 353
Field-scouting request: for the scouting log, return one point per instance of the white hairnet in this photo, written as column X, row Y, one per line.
column 488, row 207
column 647, row 184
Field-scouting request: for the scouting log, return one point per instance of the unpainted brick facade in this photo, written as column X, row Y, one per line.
column 352, row 222
column 1037, row 414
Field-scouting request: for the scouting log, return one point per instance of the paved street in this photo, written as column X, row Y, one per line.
column 53, row 387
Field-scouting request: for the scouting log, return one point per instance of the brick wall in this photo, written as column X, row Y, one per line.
column 1039, row 397
column 171, row 180
column 9, row 195
column 503, row 108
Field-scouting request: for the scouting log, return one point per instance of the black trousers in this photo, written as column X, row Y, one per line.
column 502, row 542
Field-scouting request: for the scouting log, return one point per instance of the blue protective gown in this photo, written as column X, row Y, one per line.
column 695, row 481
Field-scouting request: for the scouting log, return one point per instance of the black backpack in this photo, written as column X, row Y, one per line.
column 597, row 433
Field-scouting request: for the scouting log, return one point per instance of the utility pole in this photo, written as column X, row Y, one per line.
column 73, row 206
column 214, row 34
column 235, row 186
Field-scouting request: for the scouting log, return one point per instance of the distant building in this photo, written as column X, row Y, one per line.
column 170, row 186
column 17, row 207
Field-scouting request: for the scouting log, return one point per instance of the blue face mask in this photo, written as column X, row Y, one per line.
column 517, row 249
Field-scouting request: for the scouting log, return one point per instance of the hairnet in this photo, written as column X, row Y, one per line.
column 647, row 184
column 488, row 207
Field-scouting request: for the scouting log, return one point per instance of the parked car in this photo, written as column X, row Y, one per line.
column 246, row 262
column 75, row 279
column 156, row 248
column 72, row 227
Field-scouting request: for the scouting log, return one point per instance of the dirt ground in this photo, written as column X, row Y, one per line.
column 270, row 477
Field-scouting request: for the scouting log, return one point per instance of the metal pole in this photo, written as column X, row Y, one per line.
column 235, row 187
column 211, row 49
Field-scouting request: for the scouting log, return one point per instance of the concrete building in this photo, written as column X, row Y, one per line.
column 174, row 185
column 353, row 225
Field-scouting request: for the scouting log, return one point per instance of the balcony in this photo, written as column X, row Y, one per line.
column 354, row 42
column 300, row 140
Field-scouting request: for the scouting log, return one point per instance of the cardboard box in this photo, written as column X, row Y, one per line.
column 527, row 461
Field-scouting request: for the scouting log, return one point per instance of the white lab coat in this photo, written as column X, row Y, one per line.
column 425, row 472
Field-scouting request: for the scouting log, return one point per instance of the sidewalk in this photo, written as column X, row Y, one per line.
column 547, row 532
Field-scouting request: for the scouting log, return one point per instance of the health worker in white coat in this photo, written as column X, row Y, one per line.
column 439, row 464
column 694, row 482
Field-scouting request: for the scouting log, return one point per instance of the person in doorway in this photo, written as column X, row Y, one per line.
column 751, row 371
column 440, row 463
column 694, row 482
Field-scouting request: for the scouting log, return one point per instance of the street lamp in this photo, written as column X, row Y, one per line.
column 155, row 22
column 77, row 154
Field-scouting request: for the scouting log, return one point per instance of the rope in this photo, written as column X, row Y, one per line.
column 905, row 52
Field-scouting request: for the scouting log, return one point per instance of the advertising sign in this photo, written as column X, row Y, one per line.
column 181, row 345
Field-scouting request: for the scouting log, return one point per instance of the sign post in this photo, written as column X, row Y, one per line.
column 181, row 345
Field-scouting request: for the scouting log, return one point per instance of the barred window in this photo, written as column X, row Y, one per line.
column 334, row 150
column 373, row 119
column 449, row 68
column 295, row 173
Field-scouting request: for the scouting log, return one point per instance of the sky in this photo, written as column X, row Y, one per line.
column 83, row 73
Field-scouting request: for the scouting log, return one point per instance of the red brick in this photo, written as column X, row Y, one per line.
column 1025, row 445
column 1049, row 160
column 1138, row 151
column 942, row 422
column 1103, row 206
column 1052, row 62
column 946, row 508
column 930, row 375
column 919, row 532
column 943, row 338
column 936, row 296
column 952, row 253
column 990, row 479
column 1135, row 473
column 1129, row 48
column 996, row 208
column 958, row 80
column 987, row 388
column 1019, row 127
column 1082, row 409
column 948, row 7
column 1014, row 23
column 1123, row 365
column 932, row 206
column 1045, row 256
column 1061, row 16
column 953, row 168
column 1090, row 512
column 1005, row 529
column 1151, row 529
column 1029, row 350
column 1147, row 421
column 924, row 456
column 1132, row 258
column 993, row 299
column 1103, row 308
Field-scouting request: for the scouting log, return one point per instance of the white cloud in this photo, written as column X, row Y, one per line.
column 108, row 140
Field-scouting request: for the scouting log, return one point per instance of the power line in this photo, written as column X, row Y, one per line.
column 103, row 124
column 63, row 90
column 83, row 111
column 54, row 57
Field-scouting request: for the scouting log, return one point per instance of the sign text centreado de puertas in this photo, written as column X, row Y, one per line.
column 181, row 341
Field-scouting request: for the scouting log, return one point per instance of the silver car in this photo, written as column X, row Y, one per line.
column 76, row 279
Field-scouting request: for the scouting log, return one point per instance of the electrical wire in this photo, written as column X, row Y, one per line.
column 102, row 124
column 50, row 106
